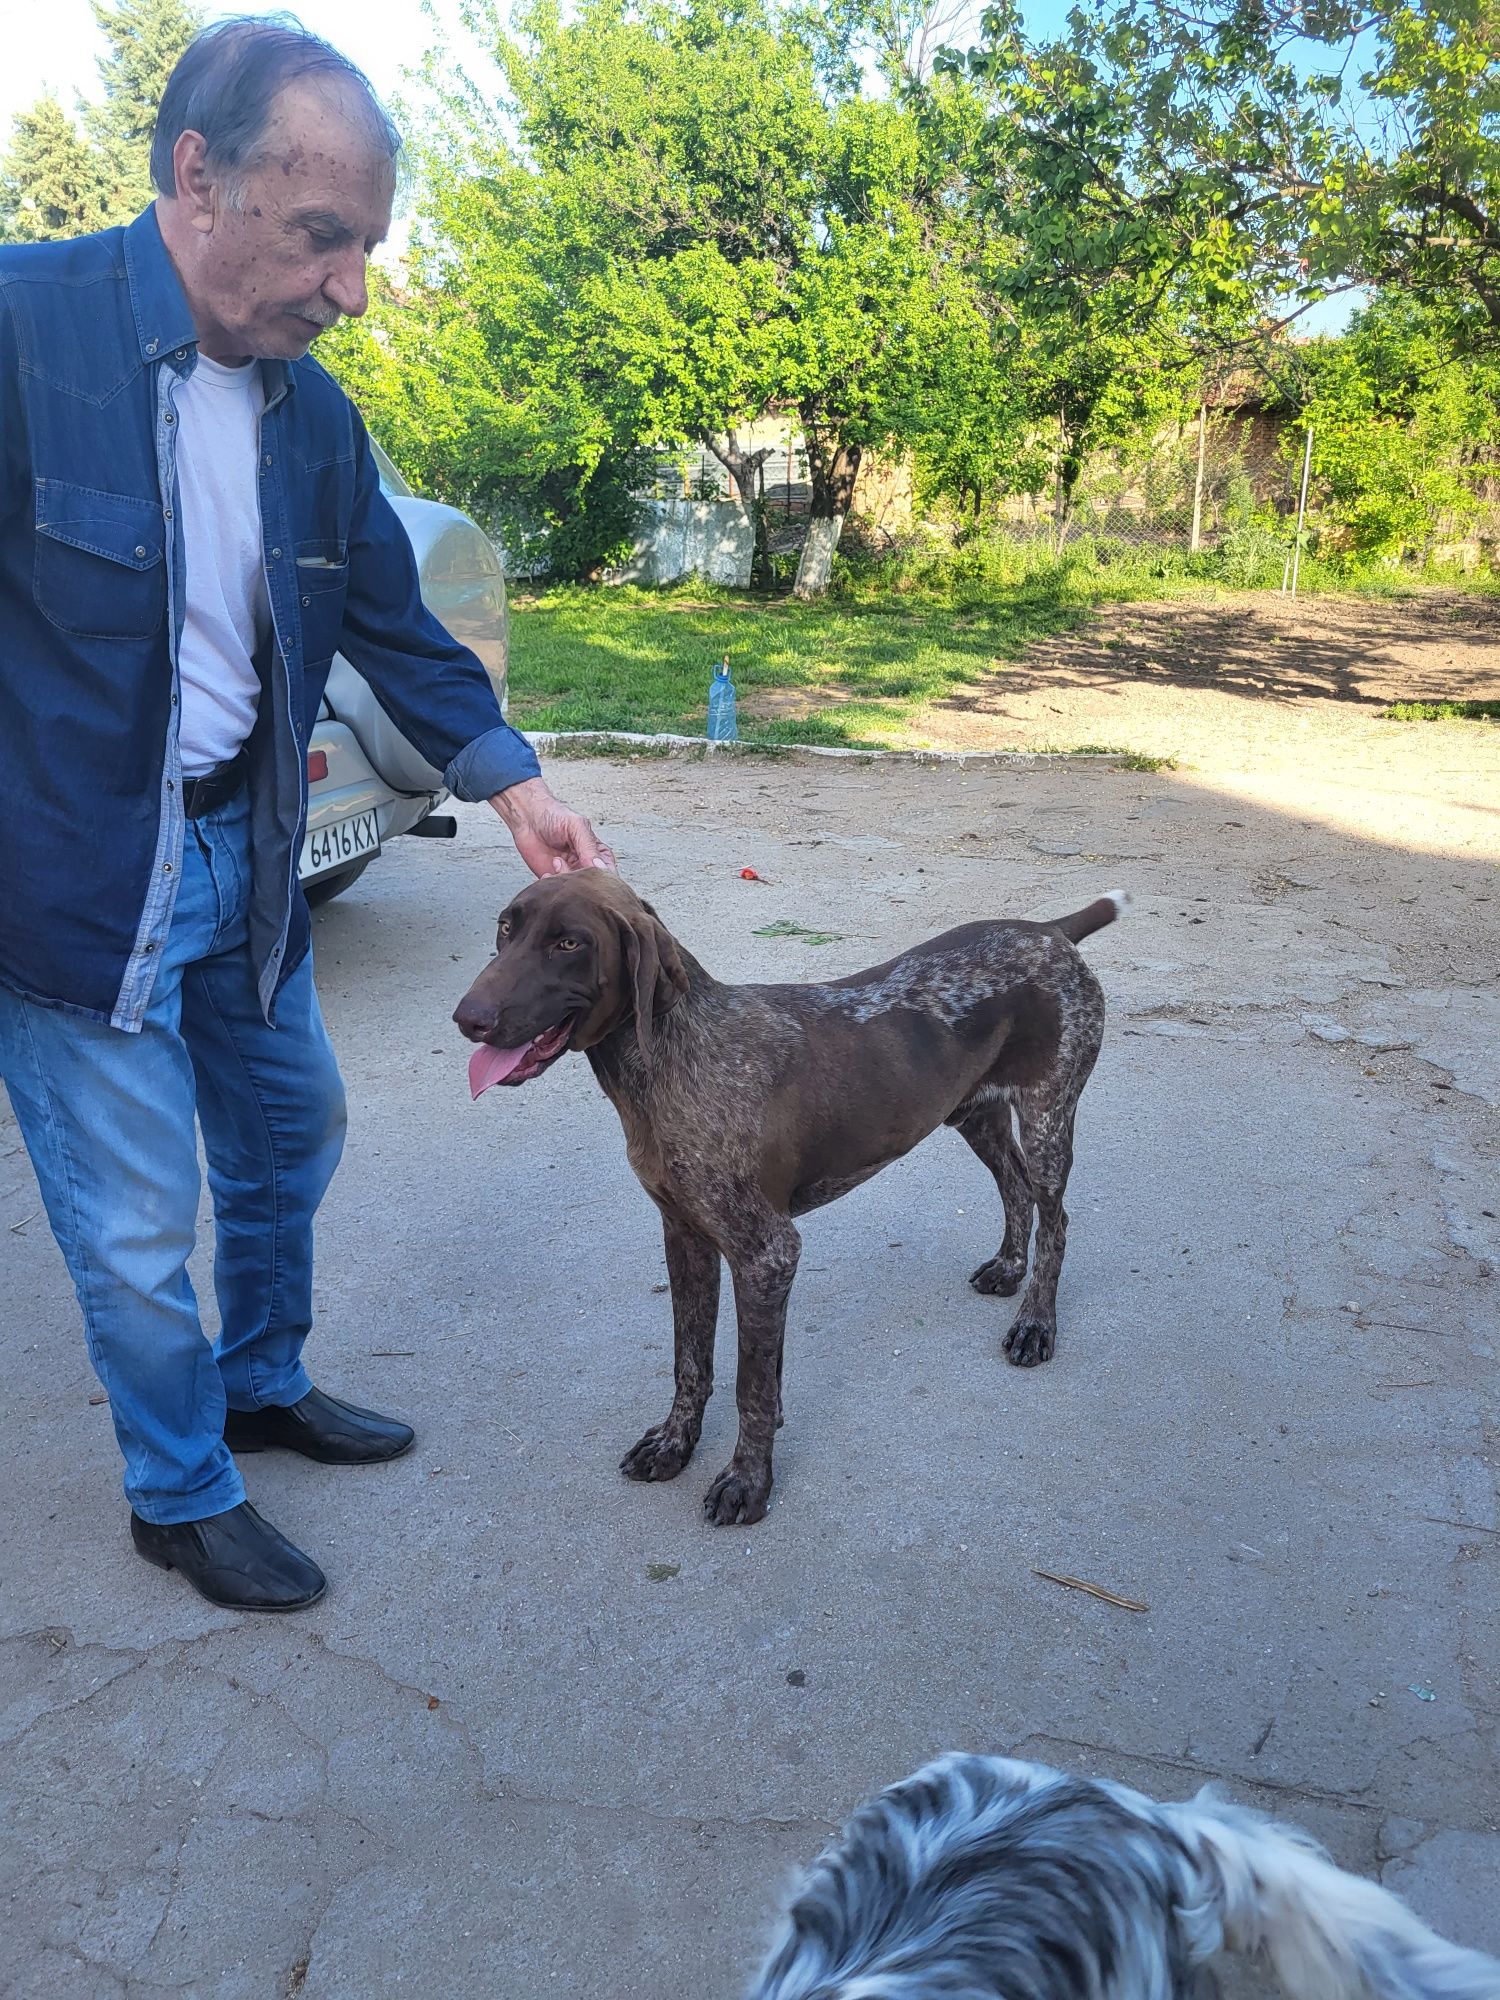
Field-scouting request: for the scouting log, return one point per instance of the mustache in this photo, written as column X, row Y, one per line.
column 321, row 314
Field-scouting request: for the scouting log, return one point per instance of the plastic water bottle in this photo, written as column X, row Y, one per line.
column 721, row 723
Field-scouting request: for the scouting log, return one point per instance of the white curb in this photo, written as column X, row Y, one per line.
column 556, row 743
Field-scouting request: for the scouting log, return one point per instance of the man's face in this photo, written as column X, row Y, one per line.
column 288, row 259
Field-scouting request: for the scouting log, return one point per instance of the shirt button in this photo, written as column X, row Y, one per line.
column 169, row 417
column 180, row 355
column 170, row 786
column 166, row 513
column 166, row 868
column 268, row 458
column 276, row 554
column 305, row 602
column 152, row 345
column 140, row 553
column 150, row 945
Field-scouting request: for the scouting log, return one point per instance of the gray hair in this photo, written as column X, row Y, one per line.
column 226, row 84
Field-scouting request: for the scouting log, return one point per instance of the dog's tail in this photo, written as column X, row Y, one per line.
column 1093, row 917
column 1325, row 1935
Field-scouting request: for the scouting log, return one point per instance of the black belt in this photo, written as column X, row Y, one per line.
column 215, row 788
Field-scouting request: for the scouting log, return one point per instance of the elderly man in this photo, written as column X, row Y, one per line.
column 191, row 524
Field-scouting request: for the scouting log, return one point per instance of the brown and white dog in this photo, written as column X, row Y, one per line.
column 744, row 1106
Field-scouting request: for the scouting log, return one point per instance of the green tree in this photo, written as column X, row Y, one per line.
column 1306, row 147
column 57, row 180
column 51, row 183
column 1118, row 279
column 1406, row 430
column 142, row 42
column 679, row 235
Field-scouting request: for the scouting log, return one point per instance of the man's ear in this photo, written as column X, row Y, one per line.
column 195, row 185
column 656, row 973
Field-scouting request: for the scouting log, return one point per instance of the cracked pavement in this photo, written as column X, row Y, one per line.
column 550, row 1733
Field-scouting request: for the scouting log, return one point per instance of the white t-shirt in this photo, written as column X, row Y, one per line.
column 227, row 612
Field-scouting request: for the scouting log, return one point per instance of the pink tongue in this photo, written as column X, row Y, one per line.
column 489, row 1066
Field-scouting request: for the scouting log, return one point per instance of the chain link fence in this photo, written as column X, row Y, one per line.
column 1227, row 485
column 1146, row 501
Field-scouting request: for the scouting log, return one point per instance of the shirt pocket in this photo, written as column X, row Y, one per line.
column 322, row 586
column 100, row 569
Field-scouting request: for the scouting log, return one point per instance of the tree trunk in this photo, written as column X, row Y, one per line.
column 834, row 472
column 742, row 467
column 1195, row 540
column 1068, row 469
column 1068, row 473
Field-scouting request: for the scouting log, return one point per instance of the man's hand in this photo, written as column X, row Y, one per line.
column 550, row 838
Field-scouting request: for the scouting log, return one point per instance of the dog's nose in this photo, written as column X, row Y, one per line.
column 473, row 1018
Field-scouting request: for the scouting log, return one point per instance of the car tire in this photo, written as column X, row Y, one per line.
column 326, row 887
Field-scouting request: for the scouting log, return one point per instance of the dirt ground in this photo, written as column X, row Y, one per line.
column 1277, row 702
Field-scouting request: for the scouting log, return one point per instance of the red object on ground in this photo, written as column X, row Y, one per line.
column 748, row 875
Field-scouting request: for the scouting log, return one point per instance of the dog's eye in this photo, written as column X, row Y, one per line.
column 505, row 927
column 567, row 944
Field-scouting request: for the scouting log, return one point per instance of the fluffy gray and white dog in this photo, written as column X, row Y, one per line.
column 985, row 1879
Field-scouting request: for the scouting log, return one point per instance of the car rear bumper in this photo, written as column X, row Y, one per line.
column 351, row 789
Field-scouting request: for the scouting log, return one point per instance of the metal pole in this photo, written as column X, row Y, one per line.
column 1301, row 511
column 1196, row 540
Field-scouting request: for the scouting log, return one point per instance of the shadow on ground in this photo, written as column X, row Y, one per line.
column 548, row 1732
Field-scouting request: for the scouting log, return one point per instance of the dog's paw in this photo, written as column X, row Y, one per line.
column 660, row 1454
column 1029, row 1342
column 999, row 1277
column 737, row 1500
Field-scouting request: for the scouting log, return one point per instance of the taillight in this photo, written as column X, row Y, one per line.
column 317, row 765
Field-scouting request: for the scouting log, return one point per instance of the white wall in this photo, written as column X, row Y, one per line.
column 714, row 539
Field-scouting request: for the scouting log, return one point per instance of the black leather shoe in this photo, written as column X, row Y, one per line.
column 320, row 1427
column 235, row 1559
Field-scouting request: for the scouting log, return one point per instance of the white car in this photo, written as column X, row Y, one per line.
column 366, row 783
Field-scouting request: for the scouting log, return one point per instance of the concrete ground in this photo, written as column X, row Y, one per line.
column 548, row 1732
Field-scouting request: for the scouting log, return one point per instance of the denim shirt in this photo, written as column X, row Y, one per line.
column 96, row 338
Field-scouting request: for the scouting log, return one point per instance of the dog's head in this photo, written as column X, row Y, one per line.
column 576, row 957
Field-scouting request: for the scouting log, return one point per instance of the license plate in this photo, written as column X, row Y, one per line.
column 337, row 845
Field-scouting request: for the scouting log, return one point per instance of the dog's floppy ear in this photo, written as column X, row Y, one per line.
column 655, row 970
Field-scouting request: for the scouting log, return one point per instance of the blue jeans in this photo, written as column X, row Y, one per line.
column 108, row 1119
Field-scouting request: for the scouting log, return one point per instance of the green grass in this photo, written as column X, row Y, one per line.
column 1442, row 711
column 856, row 666
column 853, row 671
